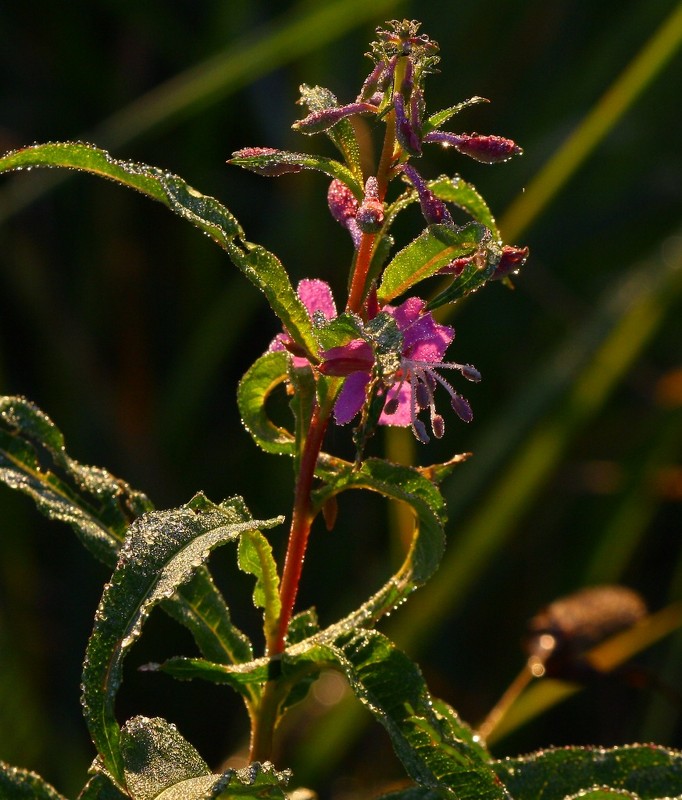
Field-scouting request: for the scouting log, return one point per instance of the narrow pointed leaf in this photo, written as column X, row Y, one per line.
column 647, row 771
column 432, row 250
column 20, row 784
column 465, row 196
column 405, row 484
column 436, row 749
column 98, row 506
column 162, row 551
column 258, row 383
column 254, row 556
column 441, row 117
column 261, row 267
column 268, row 161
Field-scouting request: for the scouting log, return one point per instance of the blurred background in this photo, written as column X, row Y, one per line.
column 130, row 330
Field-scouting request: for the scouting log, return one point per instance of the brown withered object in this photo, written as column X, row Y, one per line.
column 566, row 629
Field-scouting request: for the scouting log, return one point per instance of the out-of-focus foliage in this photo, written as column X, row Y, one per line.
column 132, row 333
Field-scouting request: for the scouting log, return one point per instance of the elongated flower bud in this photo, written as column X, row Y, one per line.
column 513, row 258
column 328, row 117
column 486, row 149
column 434, row 210
column 370, row 214
column 404, row 129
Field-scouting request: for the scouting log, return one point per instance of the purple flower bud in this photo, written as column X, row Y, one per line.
column 342, row 202
column 513, row 258
column 434, row 210
column 370, row 214
column 486, row 149
column 456, row 266
column 375, row 83
column 264, row 161
column 328, row 117
column 356, row 356
column 405, row 132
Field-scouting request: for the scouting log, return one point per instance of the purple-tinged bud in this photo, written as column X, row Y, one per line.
column 264, row 161
column 344, row 206
column 370, row 213
column 486, row 149
column 342, row 202
column 461, row 407
column 328, row 117
column 434, row 210
column 513, row 258
column 339, row 362
column 404, row 130
column 422, row 396
column 375, row 82
column 456, row 266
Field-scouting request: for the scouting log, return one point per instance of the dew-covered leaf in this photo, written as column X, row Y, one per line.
column 254, row 556
column 432, row 250
column 20, row 784
column 100, row 507
column 260, row 380
column 156, row 757
column 302, row 626
column 268, row 161
column 647, row 771
column 205, row 212
column 33, row 460
column 435, row 748
column 265, row 270
column 465, row 196
column 407, row 485
column 163, row 549
column 100, row 787
column 317, row 98
column 262, row 268
column 243, row 678
column 441, row 117
column 473, row 274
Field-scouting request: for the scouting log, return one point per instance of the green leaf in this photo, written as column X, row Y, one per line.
column 441, row 117
column 100, row 507
column 160, row 765
column 20, row 784
column 317, row 98
column 268, row 161
column 262, row 268
column 405, row 484
column 33, row 459
column 265, row 270
column 435, row 749
column 465, row 196
column 243, row 678
column 162, row 551
column 432, row 250
column 156, row 757
column 100, row 787
column 255, row 558
column 260, row 380
column 647, row 771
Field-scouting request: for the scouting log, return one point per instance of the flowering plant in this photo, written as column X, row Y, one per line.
column 380, row 361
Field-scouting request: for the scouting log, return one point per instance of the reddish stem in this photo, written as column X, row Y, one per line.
column 301, row 521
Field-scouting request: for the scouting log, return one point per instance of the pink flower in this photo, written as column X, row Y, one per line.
column 414, row 384
column 412, row 387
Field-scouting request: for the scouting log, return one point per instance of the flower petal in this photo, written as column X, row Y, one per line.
column 351, row 397
column 316, row 296
column 402, row 417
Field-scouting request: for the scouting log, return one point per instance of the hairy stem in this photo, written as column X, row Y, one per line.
column 301, row 521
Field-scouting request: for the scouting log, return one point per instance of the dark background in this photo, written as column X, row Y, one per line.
column 130, row 329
